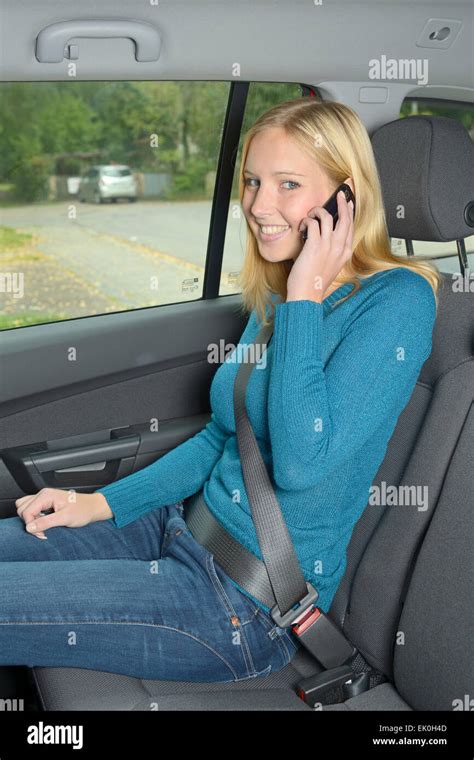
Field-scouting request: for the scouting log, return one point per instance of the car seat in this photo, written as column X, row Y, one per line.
column 405, row 598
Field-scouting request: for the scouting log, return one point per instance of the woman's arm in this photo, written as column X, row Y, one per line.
column 176, row 475
column 319, row 416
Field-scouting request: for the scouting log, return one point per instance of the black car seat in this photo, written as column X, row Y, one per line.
column 404, row 600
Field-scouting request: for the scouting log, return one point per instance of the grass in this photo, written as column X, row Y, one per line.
column 17, row 247
column 10, row 238
column 27, row 319
column 14, row 246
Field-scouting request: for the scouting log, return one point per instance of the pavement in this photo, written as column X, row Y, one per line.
column 86, row 259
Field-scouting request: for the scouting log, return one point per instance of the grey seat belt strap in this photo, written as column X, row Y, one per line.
column 238, row 562
column 276, row 546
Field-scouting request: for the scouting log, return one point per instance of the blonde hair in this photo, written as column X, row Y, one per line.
column 344, row 150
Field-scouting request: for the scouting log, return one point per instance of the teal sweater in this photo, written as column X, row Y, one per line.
column 323, row 408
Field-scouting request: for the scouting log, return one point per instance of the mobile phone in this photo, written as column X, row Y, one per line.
column 331, row 205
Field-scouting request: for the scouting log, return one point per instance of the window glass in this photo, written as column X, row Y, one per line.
column 261, row 97
column 116, row 172
column 105, row 195
column 443, row 255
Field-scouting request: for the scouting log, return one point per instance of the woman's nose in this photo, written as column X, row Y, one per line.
column 262, row 204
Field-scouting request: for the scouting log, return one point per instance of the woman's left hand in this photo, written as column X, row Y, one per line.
column 324, row 253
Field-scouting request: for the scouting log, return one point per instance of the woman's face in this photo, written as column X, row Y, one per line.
column 281, row 185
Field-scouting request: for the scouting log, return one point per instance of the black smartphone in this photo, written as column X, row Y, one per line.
column 331, row 205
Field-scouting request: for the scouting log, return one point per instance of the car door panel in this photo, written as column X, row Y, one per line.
column 83, row 429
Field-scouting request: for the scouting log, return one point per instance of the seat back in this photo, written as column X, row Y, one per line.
column 438, row 410
column 434, row 652
column 393, row 547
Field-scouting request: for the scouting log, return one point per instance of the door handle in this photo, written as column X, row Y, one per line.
column 52, row 40
column 81, row 456
column 79, row 462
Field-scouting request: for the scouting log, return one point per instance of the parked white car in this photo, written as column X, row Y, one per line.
column 108, row 182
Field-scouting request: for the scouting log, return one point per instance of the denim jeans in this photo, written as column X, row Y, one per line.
column 146, row 600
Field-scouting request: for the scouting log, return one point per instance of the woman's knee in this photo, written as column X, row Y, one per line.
column 16, row 544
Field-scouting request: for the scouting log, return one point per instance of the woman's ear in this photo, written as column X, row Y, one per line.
column 349, row 182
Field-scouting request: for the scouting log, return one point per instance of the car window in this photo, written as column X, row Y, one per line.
column 116, row 172
column 105, row 195
column 261, row 97
column 444, row 255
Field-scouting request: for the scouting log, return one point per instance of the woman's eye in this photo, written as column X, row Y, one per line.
column 288, row 182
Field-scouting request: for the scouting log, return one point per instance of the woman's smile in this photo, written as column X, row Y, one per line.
column 272, row 232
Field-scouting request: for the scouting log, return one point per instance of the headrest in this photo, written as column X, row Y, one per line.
column 426, row 168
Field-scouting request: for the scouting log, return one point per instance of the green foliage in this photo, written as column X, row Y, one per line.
column 30, row 170
column 175, row 127
column 191, row 183
column 464, row 115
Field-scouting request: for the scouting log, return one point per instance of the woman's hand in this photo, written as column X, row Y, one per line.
column 71, row 509
column 324, row 253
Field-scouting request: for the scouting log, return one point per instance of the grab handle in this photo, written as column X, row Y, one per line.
column 52, row 40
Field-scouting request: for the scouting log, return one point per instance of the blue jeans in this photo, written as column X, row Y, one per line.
column 146, row 600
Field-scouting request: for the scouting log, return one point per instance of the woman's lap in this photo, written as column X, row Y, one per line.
column 140, row 539
column 146, row 600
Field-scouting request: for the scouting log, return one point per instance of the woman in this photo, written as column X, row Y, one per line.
column 130, row 590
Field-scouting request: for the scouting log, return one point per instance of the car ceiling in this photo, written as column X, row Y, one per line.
column 328, row 45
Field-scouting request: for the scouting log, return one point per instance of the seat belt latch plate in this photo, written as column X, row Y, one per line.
column 290, row 617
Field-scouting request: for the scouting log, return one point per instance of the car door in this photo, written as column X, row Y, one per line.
column 105, row 362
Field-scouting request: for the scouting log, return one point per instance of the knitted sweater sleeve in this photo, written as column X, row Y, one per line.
column 318, row 415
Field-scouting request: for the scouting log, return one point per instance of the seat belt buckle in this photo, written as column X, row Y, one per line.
column 323, row 639
column 326, row 688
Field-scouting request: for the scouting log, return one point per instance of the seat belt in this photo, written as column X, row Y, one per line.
column 295, row 597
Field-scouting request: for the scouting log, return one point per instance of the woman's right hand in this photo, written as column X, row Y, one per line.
column 71, row 509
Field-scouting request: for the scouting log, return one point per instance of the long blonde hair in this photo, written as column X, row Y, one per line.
column 332, row 134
